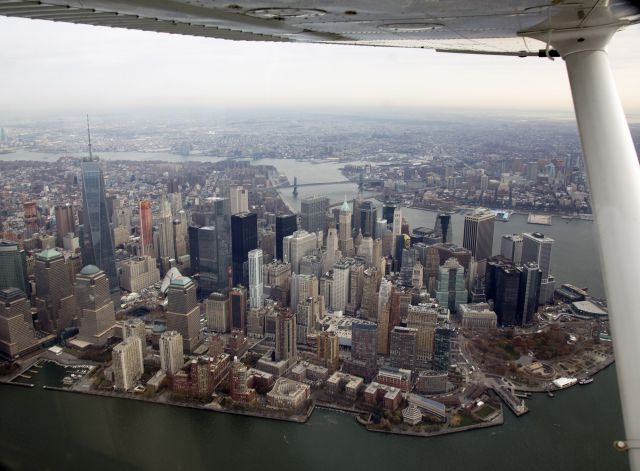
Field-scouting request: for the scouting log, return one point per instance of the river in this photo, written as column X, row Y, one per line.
column 54, row 430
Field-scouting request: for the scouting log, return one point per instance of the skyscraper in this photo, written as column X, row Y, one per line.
column 95, row 307
column 478, row 233
column 54, row 301
column 442, row 348
column 423, row 318
column 296, row 246
column 135, row 327
column 344, row 230
column 128, row 363
column 286, row 348
column 214, row 244
column 244, row 236
column 95, row 234
column 146, row 228
column 451, row 291
column 368, row 217
column 402, row 350
column 340, row 287
column 286, row 224
column 13, row 270
column 166, row 247
column 171, row 354
column 238, row 308
column 313, row 210
column 17, row 335
column 65, row 222
column 537, row 248
column 183, row 312
column 443, row 228
column 256, row 283
column 30, row 218
column 364, row 350
column 239, row 199
column 528, row 292
column 511, row 247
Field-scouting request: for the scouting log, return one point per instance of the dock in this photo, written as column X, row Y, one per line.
column 541, row 219
column 509, row 397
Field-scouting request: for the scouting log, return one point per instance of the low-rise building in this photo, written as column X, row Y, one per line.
column 138, row 273
column 339, row 383
column 477, row 316
column 389, row 397
column 431, row 382
column 288, row 394
column 397, row 377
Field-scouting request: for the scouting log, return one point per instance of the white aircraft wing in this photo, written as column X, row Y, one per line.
column 488, row 26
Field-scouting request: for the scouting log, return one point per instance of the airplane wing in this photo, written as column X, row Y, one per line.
column 487, row 26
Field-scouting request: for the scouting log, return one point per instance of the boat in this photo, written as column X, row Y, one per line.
column 502, row 216
column 550, row 394
column 584, row 381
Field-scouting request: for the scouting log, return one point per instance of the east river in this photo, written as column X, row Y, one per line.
column 55, row 430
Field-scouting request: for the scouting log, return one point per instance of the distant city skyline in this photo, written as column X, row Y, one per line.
column 54, row 68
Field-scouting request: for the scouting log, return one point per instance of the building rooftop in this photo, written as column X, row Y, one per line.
column 10, row 294
column 180, row 281
column 49, row 254
column 89, row 270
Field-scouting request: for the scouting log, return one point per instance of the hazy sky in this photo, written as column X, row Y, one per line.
column 46, row 66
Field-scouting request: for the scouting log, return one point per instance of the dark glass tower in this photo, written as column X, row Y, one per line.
column 244, row 238
column 95, row 234
column 286, row 224
column 368, row 216
column 214, row 246
column 442, row 348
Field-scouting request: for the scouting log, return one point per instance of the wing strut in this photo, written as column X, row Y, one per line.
column 614, row 178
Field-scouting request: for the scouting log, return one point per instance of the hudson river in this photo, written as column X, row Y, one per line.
column 54, row 430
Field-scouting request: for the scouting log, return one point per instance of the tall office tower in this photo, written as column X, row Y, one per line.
column 484, row 182
column 256, row 279
column 511, row 247
column 328, row 350
column 383, row 329
column 180, row 234
column 432, row 268
column 296, row 246
column 355, row 210
column 417, row 276
column 403, row 347
column 30, row 219
column 17, row 335
column 175, row 199
column 325, row 286
column 244, row 236
column 397, row 222
column 217, row 312
column 364, row 350
column 183, row 312
column 239, row 199
column 302, row 288
column 238, row 308
column 166, row 247
column 532, row 171
column 478, row 233
column 121, row 215
column 344, row 224
column 65, row 222
column 368, row 217
column 381, row 228
column 128, row 363
column 193, row 235
column 54, row 301
column 286, row 348
column 443, row 228
column 95, row 234
column 286, row 224
column 268, row 244
column 146, row 228
column 406, row 271
column 447, row 251
column 308, row 312
column 506, row 285
column 135, row 327
column 340, row 288
column 528, row 292
column 537, row 248
column 365, row 250
column 95, row 307
column 424, row 318
column 451, row 291
column 369, row 303
column 388, row 211
column 138, row 273
column 442, row 348
column 214, row 244
column 313, row 213
column 13, row 268
column 356, row 278
column 171, row 354
column 332, row 244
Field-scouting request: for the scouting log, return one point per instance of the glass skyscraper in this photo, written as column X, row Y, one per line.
column 95, row 234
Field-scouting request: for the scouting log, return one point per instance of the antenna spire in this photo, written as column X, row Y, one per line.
column 89, row 134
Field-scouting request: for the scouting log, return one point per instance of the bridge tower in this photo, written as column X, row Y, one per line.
column 295, row 186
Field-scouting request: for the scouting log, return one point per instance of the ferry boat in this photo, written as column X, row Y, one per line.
column 585, row 381
column 502, row 216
